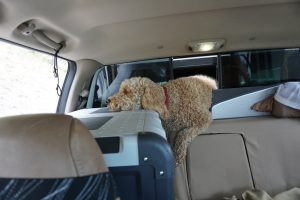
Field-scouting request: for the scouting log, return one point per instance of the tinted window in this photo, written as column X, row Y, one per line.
column 205, row 65
column 110, row 77
column 254, row 68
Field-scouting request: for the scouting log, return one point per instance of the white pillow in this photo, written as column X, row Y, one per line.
column 289, row 94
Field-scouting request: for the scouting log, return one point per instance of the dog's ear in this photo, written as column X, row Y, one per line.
column 153, row 99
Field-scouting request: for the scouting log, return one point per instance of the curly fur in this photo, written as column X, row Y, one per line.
column 188, row 114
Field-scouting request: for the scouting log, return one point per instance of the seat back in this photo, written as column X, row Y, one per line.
column 216, row 166
column 240, row 154
column 49, row 156
column 273, row 146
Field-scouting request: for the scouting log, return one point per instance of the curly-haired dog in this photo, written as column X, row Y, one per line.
column 183, row 105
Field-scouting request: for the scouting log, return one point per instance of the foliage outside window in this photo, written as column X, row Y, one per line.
column 27, row 83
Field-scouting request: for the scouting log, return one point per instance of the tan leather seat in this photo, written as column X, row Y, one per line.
column 47, row 147
column 240, row 154
column 216, row 166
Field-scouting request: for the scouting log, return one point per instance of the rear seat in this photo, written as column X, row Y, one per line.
column 240, row 154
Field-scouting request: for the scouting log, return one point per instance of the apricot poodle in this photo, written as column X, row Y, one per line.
column 183, row 105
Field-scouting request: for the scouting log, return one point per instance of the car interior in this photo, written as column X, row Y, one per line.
column 82, row 150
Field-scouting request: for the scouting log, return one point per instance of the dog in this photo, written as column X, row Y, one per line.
column 182, row 104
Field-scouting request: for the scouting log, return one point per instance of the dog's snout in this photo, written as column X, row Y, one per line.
column 108, row 101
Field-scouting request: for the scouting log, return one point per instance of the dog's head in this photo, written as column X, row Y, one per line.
column 128, row 97
column 138, row 93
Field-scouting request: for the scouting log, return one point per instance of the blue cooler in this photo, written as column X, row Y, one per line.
column 136, row 150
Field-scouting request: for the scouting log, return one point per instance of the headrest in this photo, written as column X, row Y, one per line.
column 47, row 146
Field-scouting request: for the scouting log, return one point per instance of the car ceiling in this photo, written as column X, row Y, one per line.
column 111, row 31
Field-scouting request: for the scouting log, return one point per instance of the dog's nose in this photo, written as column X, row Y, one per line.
column 108, row 101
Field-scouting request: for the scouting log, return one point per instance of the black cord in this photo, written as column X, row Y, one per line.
column 55, row 70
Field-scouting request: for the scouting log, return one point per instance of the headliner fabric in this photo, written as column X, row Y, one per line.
column 120, row 31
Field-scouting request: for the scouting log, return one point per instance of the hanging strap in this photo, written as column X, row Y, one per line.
column 55, row 70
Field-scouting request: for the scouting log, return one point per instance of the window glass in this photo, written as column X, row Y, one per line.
column 205, row 65
column 110, row 77
column 236, row 69
column 27, row 83
column 253, row 68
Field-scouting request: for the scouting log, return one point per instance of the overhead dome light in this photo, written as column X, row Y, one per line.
column 206, row 45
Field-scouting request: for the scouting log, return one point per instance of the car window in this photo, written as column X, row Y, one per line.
column 206, row 65
column 255, row 68
column 108, row 79
column 27, row 83
column 231, row 70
